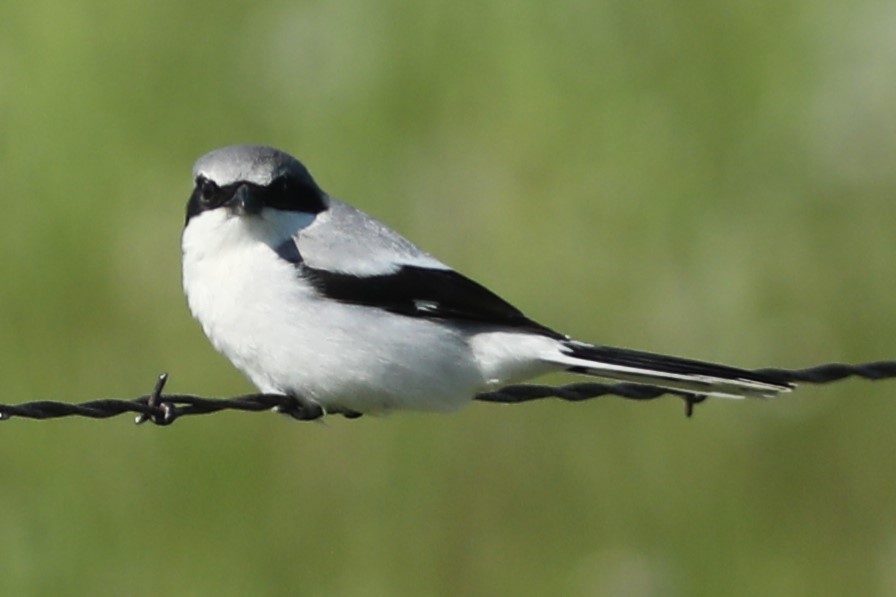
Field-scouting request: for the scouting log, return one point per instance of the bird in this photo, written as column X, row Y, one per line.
column 314, row 299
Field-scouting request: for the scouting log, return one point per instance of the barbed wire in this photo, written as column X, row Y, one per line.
column 164, row 409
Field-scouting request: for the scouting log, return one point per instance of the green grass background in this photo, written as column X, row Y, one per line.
column 709, row 179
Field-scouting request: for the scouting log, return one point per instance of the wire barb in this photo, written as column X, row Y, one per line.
column 161, row 413
column 163, row 409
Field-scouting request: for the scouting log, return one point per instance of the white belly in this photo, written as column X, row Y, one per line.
column 286, row 340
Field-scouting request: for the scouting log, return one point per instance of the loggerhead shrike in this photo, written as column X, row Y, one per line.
column 312, row 298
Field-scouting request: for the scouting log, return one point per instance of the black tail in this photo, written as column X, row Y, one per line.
column 671, row 372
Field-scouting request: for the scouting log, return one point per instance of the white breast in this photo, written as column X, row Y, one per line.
column 257, row 311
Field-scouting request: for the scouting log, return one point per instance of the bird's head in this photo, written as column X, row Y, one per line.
column 247, row 180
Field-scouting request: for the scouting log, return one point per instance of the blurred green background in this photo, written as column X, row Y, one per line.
column 714, row 180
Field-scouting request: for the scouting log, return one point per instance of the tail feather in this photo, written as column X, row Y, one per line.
column 670, row 372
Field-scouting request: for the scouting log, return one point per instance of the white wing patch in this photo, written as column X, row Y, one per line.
column 426, row 306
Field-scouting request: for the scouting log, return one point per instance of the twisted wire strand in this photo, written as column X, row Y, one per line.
column 164, row 409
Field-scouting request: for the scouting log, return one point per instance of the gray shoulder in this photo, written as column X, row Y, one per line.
column 347, row 240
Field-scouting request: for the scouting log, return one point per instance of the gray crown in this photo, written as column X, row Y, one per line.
column 257, row 164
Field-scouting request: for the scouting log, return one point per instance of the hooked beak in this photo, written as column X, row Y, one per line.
column 244, row 202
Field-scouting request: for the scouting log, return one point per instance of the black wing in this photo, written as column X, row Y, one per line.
column 418, row 291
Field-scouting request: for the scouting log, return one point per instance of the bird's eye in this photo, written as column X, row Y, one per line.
column 209, row 192
column 280, row 185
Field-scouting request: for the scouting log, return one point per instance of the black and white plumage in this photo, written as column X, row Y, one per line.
column 313, row 298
